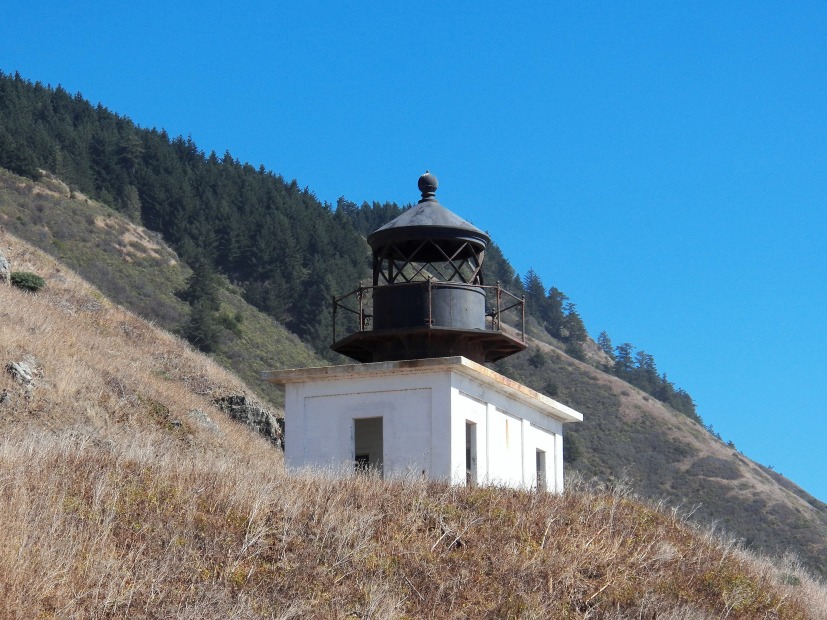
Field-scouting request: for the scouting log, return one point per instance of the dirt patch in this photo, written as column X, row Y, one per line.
column 133, row 241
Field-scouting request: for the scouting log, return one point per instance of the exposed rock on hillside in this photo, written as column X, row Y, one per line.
column 5, row 269
column 25, row 374
column 204, row 420
column 241, row 408
column 22, row 372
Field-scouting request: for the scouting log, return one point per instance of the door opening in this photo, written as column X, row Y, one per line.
column 368, row 445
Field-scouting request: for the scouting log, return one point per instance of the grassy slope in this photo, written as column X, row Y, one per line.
column 136, row 269
column 125, row 493
column 626, row 434
column 663, row 454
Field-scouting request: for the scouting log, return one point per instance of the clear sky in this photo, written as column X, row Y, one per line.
column 662, row 163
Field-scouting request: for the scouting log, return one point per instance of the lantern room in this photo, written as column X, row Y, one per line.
column 428, row 298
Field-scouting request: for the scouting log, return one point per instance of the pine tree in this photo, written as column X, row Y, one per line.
column 535, row 293
column 605, row 344
column 624, row 365
column 203, row 327
column 554, row 314
column 573, row 326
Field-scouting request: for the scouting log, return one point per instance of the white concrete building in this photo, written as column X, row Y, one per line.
column 443, row 418
column 422, row 403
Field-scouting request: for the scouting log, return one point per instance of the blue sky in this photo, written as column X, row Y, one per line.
column 663, row 163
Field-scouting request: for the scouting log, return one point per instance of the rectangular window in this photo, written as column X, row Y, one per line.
column 368, row 448
column 470, row 453
column 542, row 475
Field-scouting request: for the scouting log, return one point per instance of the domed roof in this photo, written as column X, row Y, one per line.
column 427, row 220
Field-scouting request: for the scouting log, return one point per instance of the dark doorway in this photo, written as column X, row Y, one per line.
column 368, row 448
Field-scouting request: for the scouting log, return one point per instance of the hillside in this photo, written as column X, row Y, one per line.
column 126, row 492
column 134, row 267
column 285, row 249
column 626, row 434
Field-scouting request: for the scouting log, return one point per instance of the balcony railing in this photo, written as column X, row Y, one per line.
column 358, row 305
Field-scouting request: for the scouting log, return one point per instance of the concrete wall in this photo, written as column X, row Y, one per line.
column 424, row 418
column 319, row 421
column 506, row 444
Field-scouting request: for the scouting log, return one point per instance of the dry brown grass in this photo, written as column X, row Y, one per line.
column 98, row 364
column 138, row 529
column 116, row 501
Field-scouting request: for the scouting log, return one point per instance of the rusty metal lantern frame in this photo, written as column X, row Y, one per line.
column 466, row 263
column 428, row 298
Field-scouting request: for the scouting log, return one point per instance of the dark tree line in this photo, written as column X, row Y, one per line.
column 366, row 218
column 555, row 312
column 288, row 252
column 284, row 248
column 639, row 369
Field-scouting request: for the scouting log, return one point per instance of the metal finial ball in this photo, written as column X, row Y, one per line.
column 427, row 183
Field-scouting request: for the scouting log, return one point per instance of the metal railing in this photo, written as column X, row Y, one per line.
column 498, row 302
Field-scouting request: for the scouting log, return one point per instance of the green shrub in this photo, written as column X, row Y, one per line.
column 27, row 281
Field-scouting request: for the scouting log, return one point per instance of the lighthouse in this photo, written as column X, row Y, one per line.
column 418, row 399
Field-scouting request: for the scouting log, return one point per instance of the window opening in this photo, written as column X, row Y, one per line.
column 470, row 453
column 542, row 478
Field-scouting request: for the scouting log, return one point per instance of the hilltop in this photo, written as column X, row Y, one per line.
column 627, row 434
column 128, row 492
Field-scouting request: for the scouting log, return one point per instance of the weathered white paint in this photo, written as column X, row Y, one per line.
column 425, row 406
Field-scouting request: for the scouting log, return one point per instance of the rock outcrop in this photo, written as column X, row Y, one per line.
column 26, row 373
column 23, row 372
column 246, row 410
column 204, row 420
column 5, row 269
